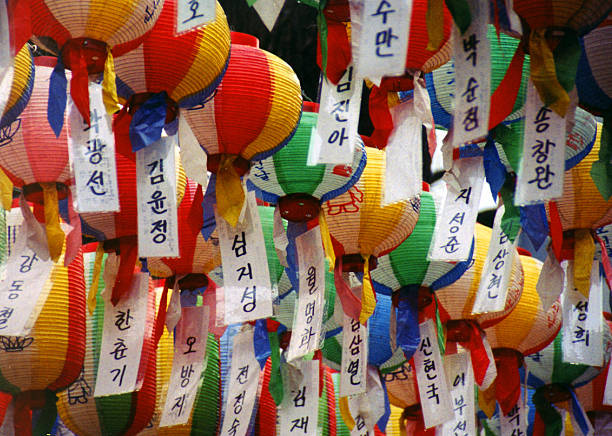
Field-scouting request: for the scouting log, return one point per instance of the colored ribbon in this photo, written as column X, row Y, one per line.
column 345, row 412
column 460, row 10
column 486, row 400
column 551, row 419
column 74, row 238
column 229, row 190
column 79, row 83
column 338, row 47
column 368, row 298
column 504, row 96
column 605, row 261
column 322, row 25
column 6, row 191
column 109, row 86
column 511, row 220
column 601, row 171
column 407, row 332
column 97, row 269
column 276, row 388
column 351, row 305
column 47, row 416
column 56, row 103
column 584, row 251
column 55, row 235
column 556, row 230
column 435, row 24
column 128, row 251
column 478, row 353
column 508, row 386
column 261, row 342
column 534, row 223
column 495, row 171
column 330, row 255
column 148, row 121
column 160, row 320
column 208, row 208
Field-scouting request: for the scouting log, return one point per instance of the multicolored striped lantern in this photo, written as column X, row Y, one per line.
column 118, row 230
column 87, row 34
column 554, row 381
column 527, row 329
column 594, row 85
column 551, row 31
column 362, row 229
column 20, row 92
column 168, row 71
column 34, row 367
column 261, row 94
column 114, row 414
column 441, row 82
column 44, row 181
column 285, row 178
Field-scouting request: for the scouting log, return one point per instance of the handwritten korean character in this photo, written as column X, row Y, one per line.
column 300, row 423
column 250, row 297
column 194, row 5
column 300, row 397
column 432, row 390
column 122, row 319
column 186, row 372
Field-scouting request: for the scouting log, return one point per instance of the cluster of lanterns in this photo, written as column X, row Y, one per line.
column 188, row 247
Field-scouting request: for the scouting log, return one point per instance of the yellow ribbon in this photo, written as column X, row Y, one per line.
column 55, row 234
column 6, row 191
column 93, row 289
column 109, row 86
column 346, row 413
column 486, row 400
column 327, row 242
column 435, row 23
column 229, row 191
column 368, row 300
column 544, row 73
column 569, row 427
column 584, row 251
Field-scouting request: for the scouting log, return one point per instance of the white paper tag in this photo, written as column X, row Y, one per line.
column 550, row 281
column 92, row 155
column 354, row 364
column 156, row 193
column 333, row 140
column 243, row 383
column 582, row 320
column 246, row 278
column 187, row 365
column 431, row 378
column 268, row 11
column 193, row 157
column 122, row 340
column 383, row 40
column 194, row 13
column 298, row 413
column 311, row 303
column 367, row 409
column 403, row 156
column 472, row 57
column 493, row 287
column 515, row 422
column 542, row 169
column 20, row 291
column 455, row 228
column 460, row 376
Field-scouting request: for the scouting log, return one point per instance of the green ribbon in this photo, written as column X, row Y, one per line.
column 440, row 329
column 601, row 171
column 460, row 10
column 552, row 419
column 566, row 55
column 511, row 221
column 250, row 2
column 48, row 415
column 276, row 380
column 511, row 141
column 322, row 24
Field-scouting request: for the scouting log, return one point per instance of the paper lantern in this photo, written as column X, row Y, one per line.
column 34, row 367
column 261, row 94
column 20, row 92
column 299, row 189
column 363, row 229
column 402, row 387
column 527, row 329
column 197, row 257
column 441, row 82
column 87, row 34
column 408, row 265
column 114, row 414
column 185, row 68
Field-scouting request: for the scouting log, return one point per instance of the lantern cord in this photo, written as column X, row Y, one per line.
column 97, row 269
column 55, row 235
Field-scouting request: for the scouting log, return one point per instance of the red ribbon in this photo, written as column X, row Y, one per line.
column 128, row 252
column 605, row 260
column 160, row 321
column 508, row 384
column 478, row 353
column 351, row 305
column 556, row 230
column 79, row 83
column 338, row 51
column 502, row 100
column 74, row 239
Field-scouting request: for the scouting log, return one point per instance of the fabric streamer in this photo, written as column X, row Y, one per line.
column 79, row 83
column 55, row 235
column 229, row 190
column 601, row 171
column 109, row 86
column 508, row 390
column 462, row 16
column 128, row 251
column 148, row 121
column 95, row 280
column 408, row 336
column 584, row 251
column 550, row 423
column 435, row 23
column 330, row 255
column 6, row 191
column 56, row 104
column 368, row 298
column 504, row 96
column 351, row 305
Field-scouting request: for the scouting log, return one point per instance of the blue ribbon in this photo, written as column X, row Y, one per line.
column 148, row 121
column 580, row 418
column 384, row 419
column 56, row 105
column 408, row 335
column 495, row 171
column 535, row 224
column 261, row 342
column 210, row 199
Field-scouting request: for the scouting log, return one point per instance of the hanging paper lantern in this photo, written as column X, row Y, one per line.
column 114, row 414
column 197, row 257
column 362, row 229
column 86, row 35
column 168, row 71
column 286, row 179
column 402, row 387
column 527, row 329
column 34, row 367
column 551, row 31
column 441, row 82
column 20, row 92
column 261, row 94
column 42, row 180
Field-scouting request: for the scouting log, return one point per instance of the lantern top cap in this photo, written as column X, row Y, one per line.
column 245, row 39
